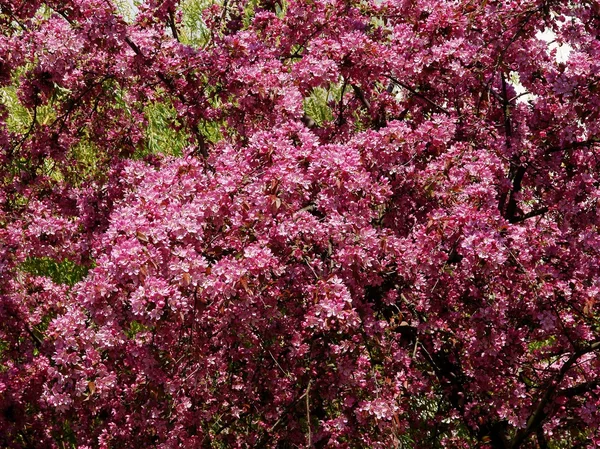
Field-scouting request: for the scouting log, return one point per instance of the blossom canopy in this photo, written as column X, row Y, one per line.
column 304, row 223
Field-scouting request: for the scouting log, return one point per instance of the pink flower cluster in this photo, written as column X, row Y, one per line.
column 415, row 267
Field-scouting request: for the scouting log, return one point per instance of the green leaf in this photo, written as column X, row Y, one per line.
column 61, row 272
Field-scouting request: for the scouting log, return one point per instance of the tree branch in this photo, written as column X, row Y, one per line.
column 420, row 95
column 173, row 26
column 517, row 171
column 539, row 414
column 543, row 444
column 309, row 436
column 574, row 145
column 580, row 389
column 168, row 82
column 361, row 97
column 533, row 213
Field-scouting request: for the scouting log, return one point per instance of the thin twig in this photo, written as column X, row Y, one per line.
column 173, row 26
column 418, row 94
column 308, row 414
column 539, row 414
column 533, row 213
column 574, row 145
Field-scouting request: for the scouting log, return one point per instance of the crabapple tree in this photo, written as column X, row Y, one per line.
column 299, row 223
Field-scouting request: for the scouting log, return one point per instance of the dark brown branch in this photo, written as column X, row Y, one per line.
column 28, row 132
column 339, row 121
column 517, row 170
column 308, row 121
column 133, row 46
column 302, row 46
column 542, row 443
column 574, row 145
column 202, row 147
column 452, row 379
column 540, row 413
column 168, row 82
column 529, row 14
column 64, row 16
column 17, row 21
column 361, row 97
column 72, row 103
column 418, row 94
column 506, row 112
column 533, row 213
column 517, row 180
column 173, row 26
column 282, row 419
column 378, row 118
column 36, row 339
column 224, row 13
column 580, row 389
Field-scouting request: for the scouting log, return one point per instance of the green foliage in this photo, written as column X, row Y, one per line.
column 211, row 130
column 135, row 328
column 21, row 121
column 61, row 272
column 164, row 134
column 4, row 346
column 320, row 104
column 84, row 160
column 194, row 32
column 316, row 106
column 281, row 9
column 19, row 118
column 66, row 438
column 126, row 8
column 249, row 9
column 541, row 344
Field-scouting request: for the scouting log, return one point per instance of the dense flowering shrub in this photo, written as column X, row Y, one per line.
column 303, row 223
